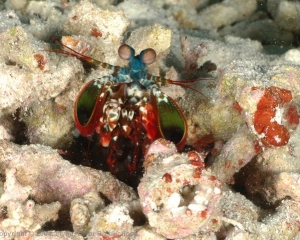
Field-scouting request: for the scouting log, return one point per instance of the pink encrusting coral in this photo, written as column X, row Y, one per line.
column 178, row 195
column 234, row 155
column 35, row 164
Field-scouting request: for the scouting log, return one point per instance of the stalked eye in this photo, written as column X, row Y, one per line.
column 126, row 52
column 148, row 56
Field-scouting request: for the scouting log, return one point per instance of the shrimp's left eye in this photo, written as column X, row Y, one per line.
column 126, row 52
column 148, row 56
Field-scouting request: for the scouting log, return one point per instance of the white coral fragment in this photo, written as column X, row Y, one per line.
column 82, row 209
column 112, row 221
column 23, row 215
column 174, row 200
column 87, row 18
column 184, row 193
column 13, row 189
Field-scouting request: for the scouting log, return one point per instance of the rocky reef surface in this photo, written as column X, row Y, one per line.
column 238, row 177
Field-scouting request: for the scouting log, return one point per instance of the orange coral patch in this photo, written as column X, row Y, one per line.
column 266, row 121
column 212, row 178
column 257, row 147
column 276, row 135
column 282, row 95
column 267, row 102
column 262, row 120
column 195, row 159
column 96, row 33
column 167, row 177
column 40, row 60
column 237, row 107
column 204, row 214
column 197, row 172
column 292, row 117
